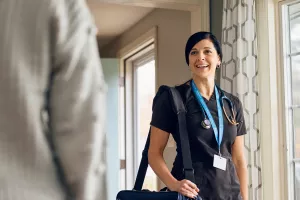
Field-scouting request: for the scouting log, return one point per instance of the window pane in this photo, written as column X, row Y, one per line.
column 296, row 79
column 297, row 180
column 145, row 93
column 296, row 125
column 294, row 12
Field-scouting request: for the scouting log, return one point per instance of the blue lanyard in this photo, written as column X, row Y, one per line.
column 218, row 134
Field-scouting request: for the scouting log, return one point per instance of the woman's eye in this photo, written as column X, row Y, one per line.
column 193, row 52
column 208, row 51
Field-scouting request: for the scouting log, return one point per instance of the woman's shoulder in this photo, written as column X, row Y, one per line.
column 184, row 90
column 164, row 95
column 183, row 86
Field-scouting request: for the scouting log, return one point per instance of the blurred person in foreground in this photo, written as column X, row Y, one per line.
column 52, row 101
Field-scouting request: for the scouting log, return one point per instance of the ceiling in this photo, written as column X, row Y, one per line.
column 114, row 19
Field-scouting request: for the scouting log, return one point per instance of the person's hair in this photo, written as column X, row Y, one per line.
column 197, row 37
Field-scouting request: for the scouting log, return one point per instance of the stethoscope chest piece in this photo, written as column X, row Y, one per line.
column 206, row 124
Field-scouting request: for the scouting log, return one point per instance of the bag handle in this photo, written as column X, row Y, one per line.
column 184, row 143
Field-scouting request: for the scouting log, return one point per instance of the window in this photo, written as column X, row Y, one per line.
column 138, row 86
column 291, row 53
column 144, row 92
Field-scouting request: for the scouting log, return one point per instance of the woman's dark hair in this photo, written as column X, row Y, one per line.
column 197, row 37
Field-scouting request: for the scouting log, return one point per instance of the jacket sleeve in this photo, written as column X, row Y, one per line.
column 77, row 100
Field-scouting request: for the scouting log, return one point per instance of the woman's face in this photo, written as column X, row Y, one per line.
column 204, row 59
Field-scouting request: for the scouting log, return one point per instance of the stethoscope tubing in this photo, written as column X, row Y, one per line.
column 232, row 118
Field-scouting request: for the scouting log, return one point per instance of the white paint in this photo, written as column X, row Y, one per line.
column 268, row 101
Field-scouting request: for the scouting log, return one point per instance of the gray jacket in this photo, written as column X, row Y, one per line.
column 51, row 89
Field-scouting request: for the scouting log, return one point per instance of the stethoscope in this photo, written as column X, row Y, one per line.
column 232, row 118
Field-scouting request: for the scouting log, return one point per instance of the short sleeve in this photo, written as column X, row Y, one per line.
column 163, row 116
column 241, row 127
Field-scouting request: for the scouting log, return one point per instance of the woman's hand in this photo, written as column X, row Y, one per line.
column 186, row 188
column 159, row 139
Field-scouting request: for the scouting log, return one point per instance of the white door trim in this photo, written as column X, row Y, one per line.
column 145, row 43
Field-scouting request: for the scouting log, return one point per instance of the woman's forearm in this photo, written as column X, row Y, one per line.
column 159, row 166
column 242, row 172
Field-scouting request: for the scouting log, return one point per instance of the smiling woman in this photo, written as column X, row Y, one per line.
column 216, row 143
column 204, row 57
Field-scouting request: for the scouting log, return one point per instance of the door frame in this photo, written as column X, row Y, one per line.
column 143, row 44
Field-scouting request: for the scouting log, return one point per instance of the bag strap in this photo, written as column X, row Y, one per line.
column 184, row 143
column 188, row 169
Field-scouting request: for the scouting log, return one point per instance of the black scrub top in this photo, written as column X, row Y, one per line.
column 213, row 183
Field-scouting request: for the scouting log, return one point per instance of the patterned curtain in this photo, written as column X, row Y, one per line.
column 239, row 75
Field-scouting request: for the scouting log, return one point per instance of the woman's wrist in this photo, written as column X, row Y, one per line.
column 244, row 198
column 172, row 184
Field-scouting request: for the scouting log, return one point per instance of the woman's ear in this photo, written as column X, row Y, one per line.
column 219, row 64
column 219, row 61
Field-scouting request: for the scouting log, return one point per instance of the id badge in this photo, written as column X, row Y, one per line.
column 220, row 162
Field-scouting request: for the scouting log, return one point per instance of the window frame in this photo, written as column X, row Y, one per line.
column 132, row 161
column 146, row 57
column 273, row 141
column 142, row 45
column 287, row 106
